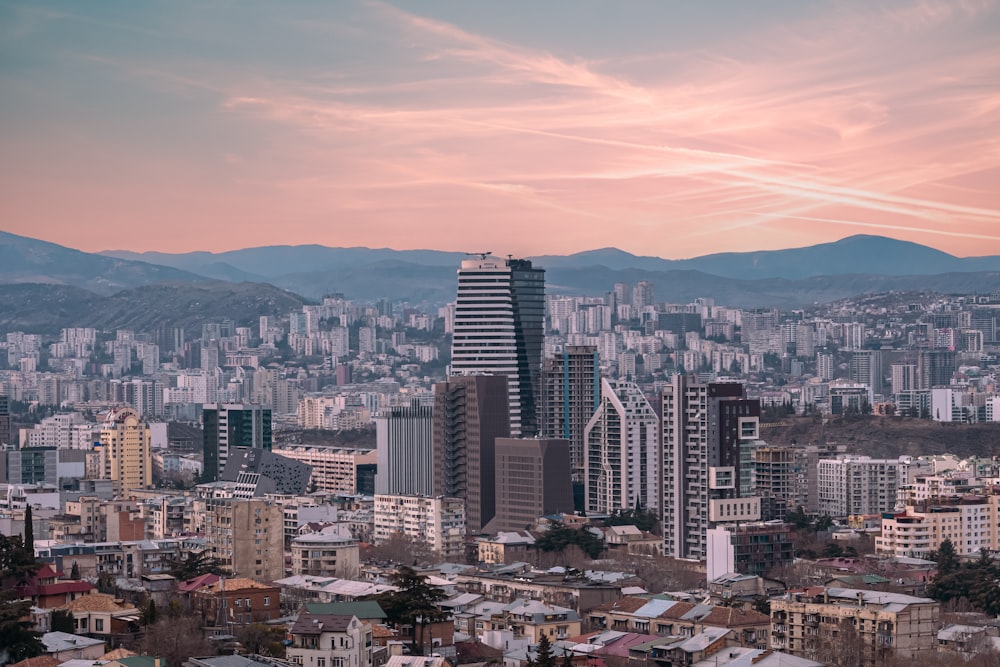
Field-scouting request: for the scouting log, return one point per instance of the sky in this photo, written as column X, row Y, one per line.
column 660, row 127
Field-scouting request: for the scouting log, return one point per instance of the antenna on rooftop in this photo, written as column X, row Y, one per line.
column 482, row 255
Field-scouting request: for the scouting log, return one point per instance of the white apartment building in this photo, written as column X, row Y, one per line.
column 63, row 431
column 621, row 442
column 439, row 522
column 857, row 485
column 325, row 554
column 326, row 640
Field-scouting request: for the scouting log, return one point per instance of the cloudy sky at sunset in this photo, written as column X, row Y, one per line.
column 663, row 128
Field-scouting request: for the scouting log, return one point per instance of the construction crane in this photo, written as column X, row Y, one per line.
column 481, row 255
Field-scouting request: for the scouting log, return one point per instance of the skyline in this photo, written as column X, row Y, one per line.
column 667, row 130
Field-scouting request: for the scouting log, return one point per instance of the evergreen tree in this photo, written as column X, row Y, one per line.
column 18, row 641
column 414, row 604
column 62, row 621
column 29, row 532
column 543, row 652
column 74, row 572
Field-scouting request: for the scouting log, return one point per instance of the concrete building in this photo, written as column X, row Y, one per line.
column 807, row 624
column 709, row 431
column 229, row 604
column 335, row 469
column 405, row 450
column 125, row 450
column 621, row 458
column 571, row 394
column 918, row 531
column 325, row 554
column 438, row 522
column 246, row 537
column 533, row 479
column 470, row 413
column 499, row 329
column 231, row 425
column 853, row 485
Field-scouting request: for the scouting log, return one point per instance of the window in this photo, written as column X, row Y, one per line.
column 98, row 625
column 239, row 602
column 320, row 662
column 267, row 601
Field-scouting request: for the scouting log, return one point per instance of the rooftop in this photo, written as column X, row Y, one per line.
column 63, row 641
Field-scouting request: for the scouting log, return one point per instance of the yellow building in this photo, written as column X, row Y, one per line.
column 125, row 455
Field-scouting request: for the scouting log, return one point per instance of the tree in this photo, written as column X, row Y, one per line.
column 262, row 639
column 149, row 613
column 560, row 536
column 18, row 641
column 29, row 532
column 62, row 621
column 400, row 549
column 175, row 640
column 946, row 558
column 195, row 565
column 74, row 572
column 414, row 604
column 543, row 652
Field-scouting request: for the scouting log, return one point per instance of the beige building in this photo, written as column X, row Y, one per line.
column 530, row 619
column 325, row 554
column 813, row 623
column 125, row 455
column 437, row 522
column 246, row 536
column 972, row 523
column 327, row 640
column 335, row 469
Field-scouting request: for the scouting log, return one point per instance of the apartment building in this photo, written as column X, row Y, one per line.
column 852, row 485
column 335, row 469
column 439, row 522
column 970, row 522
column 246, row 537
column 811, row 623
column 325, row 554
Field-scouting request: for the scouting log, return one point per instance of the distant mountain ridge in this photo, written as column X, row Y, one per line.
column 785, row 278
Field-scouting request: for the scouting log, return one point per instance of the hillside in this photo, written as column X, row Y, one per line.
column 889, row 437
column 46, row 309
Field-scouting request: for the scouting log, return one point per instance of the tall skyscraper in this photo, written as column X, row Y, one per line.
column 866, row 368
column 405, row 449
column 6, row 434
column 499, row 329
column 621, row 451
column 709, row 430
column 125, row 453
column 230, row 425
column 935, row 368
column 470, row 413
column 571, row 393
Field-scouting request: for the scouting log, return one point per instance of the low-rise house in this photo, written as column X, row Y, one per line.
column 531, row 619
column 64, row 646
column 47, row 589
column 104, row 617
column 671, row 618
column 326, row 640
column 506, row 547
column 231, row 603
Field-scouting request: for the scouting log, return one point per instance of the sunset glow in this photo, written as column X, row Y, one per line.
column 669, row 129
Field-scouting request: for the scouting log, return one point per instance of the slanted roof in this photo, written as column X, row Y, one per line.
column 37, row 661
column 63, row 641
column 97, row 602
column 365, row 610
column 314, row 624
column 197, row 582
column 138, row 661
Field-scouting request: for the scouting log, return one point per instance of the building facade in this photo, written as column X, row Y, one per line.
column 708, row 434
column 852, row 485
column 533, row 479
column 438, row 522
column 622, row 445
column 405, row 450
column 246, row 537
column 125, row 455
column 325, row 555
column 470, row 413
column 571, row 394
column 499, row 329
column 231, row 425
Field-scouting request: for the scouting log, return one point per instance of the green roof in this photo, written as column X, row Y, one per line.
column 138, row 661
column 365, row 610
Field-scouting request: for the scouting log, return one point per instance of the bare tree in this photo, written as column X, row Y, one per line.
column 401, row 550
column 175, row 640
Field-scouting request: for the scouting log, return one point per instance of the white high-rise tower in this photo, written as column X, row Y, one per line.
column 499, row 330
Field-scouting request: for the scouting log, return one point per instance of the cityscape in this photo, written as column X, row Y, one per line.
column 724, row 392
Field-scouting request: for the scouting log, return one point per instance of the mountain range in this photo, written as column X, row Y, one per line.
column 285, row 275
